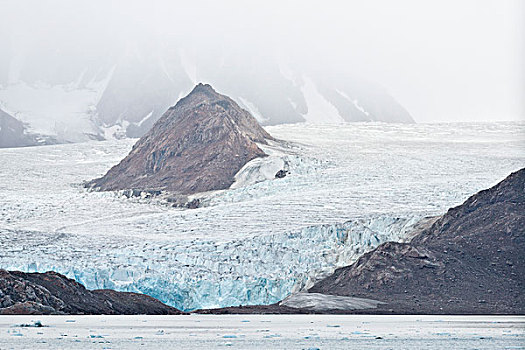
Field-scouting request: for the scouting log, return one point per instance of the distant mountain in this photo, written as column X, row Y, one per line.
column 52, row 293
column 124, row 91
column 471, row 261
column 13, row 133
column 198, row 145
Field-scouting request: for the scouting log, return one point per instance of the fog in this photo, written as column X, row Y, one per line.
column 441, row 60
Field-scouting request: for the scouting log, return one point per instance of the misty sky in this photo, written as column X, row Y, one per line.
column 442, row 60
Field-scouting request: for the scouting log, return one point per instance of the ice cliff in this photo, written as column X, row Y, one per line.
column 197, row 274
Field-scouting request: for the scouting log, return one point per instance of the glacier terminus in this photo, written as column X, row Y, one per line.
column 349, row 188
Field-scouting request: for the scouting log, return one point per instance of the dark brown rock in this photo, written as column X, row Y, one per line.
column 52, row 293
column 471, row 261
column 198, row 145
column 280, row 174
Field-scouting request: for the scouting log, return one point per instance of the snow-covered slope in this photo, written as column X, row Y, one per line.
column 12, row 132
column 66, row 112
column 350, row 188
column 124, row 90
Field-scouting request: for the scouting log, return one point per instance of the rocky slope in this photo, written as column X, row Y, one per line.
column 12, row 132
column 53, row 293
column 471, row 261
column 198, row 145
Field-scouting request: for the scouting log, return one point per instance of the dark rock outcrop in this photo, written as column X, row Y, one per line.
column 280, row 174
column 198, row 145
column 471, row 261
column 52, row 293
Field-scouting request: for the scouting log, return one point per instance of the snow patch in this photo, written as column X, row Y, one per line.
column 115, row 132
column 320, row 110
column 189, row 66
column 65, row 111
column 145, row 118
column 354, row 101
column 292, row 103
column 359, row 107
column 252, row 108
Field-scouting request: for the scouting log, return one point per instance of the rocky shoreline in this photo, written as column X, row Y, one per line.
column 51, row 293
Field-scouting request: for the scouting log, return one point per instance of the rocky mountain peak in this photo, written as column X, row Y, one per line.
column 205, row 89
column 201, row 93
column 198, row 145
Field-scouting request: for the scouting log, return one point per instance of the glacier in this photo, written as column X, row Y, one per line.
column 350, row 187
column 194, row 274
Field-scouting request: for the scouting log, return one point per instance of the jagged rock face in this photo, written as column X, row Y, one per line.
column 470, row 261
column 198, row 145
column 53, row 293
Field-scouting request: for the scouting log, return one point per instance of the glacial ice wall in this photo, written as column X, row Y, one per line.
column 198, row 274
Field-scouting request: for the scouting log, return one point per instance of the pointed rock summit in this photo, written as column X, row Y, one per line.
column 196, row 146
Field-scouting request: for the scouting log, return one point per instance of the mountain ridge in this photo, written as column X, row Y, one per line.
column 198, row 145
column 125, row 91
